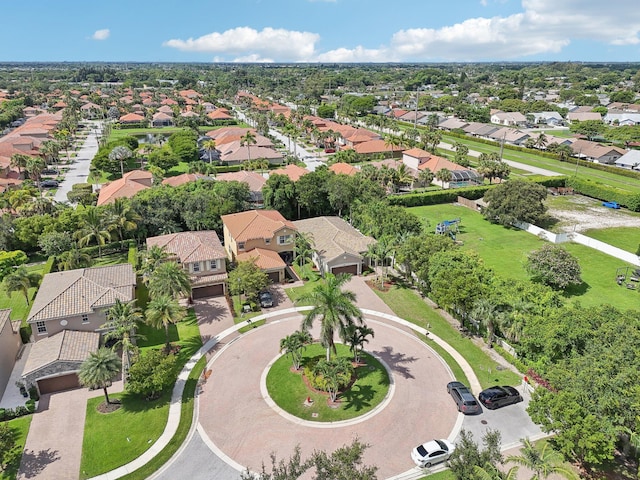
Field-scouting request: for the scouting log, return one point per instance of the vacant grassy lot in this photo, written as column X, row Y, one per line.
column 626, row 238
column 20, row 429
column 289, row 390
column 505, row 251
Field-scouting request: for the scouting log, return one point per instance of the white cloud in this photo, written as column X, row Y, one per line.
column 101, row 34
column 281, row 44
column 542, row 26
column 253, row 58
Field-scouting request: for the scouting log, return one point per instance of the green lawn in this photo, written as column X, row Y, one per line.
column 20, row 429
column 626, row 238
column 409, row 306
column 184, row 333
column 114, row 439
column 110, row 259
column 444, row 475
column 289, row 390
column 505, row 250
column 16, row 301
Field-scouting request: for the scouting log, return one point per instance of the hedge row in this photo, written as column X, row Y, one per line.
column 48, row 266
column 114, row 247
column 605, row 193
column 132, row 257
column 472, row 193
column 228, row 168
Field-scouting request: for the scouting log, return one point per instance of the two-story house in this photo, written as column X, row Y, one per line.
column 10, row 344
column 256, row 235
column 67, row 316
column 202, row 255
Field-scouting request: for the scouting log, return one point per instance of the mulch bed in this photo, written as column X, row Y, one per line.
column 375, row 285
column 105, row 407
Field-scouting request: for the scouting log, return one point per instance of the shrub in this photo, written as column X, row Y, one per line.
column 31, row 406
column 132, row 257
column 25, row 333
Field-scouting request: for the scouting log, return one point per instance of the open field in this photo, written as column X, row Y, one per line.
column 505, row 251
column 577, row 213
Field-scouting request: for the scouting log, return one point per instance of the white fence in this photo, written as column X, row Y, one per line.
column 582, row 240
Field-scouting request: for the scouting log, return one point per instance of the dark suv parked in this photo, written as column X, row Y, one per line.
column 463, row 397
column 496, row 397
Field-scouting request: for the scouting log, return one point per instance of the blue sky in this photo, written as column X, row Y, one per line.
column 320, row 30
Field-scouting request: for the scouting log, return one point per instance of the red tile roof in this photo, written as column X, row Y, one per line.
column 255, row 224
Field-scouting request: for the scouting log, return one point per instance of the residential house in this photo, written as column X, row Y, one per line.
column 342, row 168
column 202, row 255
column 378, row 148
column 509, row 135
column 251, row 152
column 260, row 229
column 254, row 180
column 293, row 171
column 161, row 119
column 515, row 119
column 127, row 186
column 337, row 246
column 183, row 178
column 620, row 118
column 418, row 159
column 66, row 318
column 547, row 118
column 629, row 161
column 583, row 116
column 91, row 110
column 452, row 124
column 595, row 152
column 130, row 118
column 10, row 344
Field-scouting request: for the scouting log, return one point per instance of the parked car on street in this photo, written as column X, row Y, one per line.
column 432, row 452
column 465, row 401
column 496, row 397
column 49, row 184
column 266, row 299
column 49, row 171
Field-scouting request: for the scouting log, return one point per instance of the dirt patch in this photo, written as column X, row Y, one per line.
column 587, row 214
column 111, row 407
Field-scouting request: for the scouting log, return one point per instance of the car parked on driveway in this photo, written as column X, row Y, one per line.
column 49, row 184
column 266, row 299
column 496, row 397
column 432, row 452
column 464, row 399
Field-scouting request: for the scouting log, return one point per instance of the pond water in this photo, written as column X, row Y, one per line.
column 152, row 138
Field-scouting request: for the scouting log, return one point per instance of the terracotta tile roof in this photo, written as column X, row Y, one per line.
column 332, row 237
column 253, row 179
column 127, row 186
column 191, row 246
column 293, row 171
column 376, row 146
column 162, row 116
column 197, row 280
column 255, row 224
column 219, row 115
column 221, row 132
column 64, row 346
column 418, row 153
column 264, row 259
column 435, row 164
column 74, row 292
column 253, row 153
column 165, row 109
column 132, row 118
column 169, row 101
column 343, row 168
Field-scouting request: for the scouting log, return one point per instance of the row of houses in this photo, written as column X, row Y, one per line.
column 69, row 310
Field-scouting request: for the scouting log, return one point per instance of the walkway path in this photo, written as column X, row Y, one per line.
column 79, row 169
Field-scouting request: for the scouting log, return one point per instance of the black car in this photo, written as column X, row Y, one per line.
column 463, row 397
column 49, row 184
column 49, row 171
column 496, row 397
column 265, row 299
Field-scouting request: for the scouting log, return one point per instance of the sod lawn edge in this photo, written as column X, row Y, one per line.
column 20, row 428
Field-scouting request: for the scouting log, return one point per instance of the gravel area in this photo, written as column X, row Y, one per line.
column 588, row 214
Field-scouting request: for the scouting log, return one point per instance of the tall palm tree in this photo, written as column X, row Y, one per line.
column 391, row 142
column 19, row 160
column 21, row 280
column 99, row 370
column 120, row 154
column 122, row 321
column 51, row 150
column 248, row 139
column 163, row 311
column 34, row 166
column 150, row 260
column 357, row 337
column 544, row 462
column 210, row 147
column 486, row 312
column 425, row 177
column 335, row 308
column 123, row 218
column 72, row 259
column 169, row 279
column 304, row 247
column 444, row 175
column 94, row 228
column 541, row 141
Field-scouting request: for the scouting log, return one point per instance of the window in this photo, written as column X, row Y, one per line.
column 267, row 241
column 284, row 239
column 85, row 318
column 196, row 267
column 41, row 327
column 213, row 264
column 241, row 246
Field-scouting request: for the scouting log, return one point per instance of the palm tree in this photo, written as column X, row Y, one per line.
column 72, row 259
column 93, row 229
column 19, row 160
column 99, row 370
column 543, row 463
column 120, row 154
column 210, row 147
column 356, row 338
column 21, row 280
column 425, row 177
column 304, row 247
column 63, row 136
column 122, row 321
column 161, row 312
column 294, row 345
column 20, row 198
column 391, row 142
column 491, row 472
column 335, row 373
column 444, row 175
column 50, row 149
column 486, row 312
column 404, row 175
column 335, row 308
column 34, row 166
column 169, row 279
column 541, row 141
column 248, row 139
column 122, row 217
column 150, row 260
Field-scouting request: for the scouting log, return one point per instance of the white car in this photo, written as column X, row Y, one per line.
column 432, row 452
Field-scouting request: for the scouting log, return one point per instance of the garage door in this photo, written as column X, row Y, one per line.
column 211, row 291
column 352, row 269
column 274, row 277
column 57, row 384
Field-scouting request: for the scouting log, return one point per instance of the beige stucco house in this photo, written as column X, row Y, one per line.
column 10, row 344
column 202, row 255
